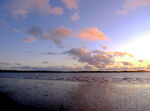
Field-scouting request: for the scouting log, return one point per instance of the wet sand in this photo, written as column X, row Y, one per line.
column 50, row 95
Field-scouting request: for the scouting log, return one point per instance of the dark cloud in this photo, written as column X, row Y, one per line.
column 57, row 35
column 65, row 68
column 87, row 67
column 45, row 62
column 49, row 53
column 5, row 63
column 51, row 68
column 17, row 64
column 97, row 58
column 9, row 64
column 127, row 63
column 35, row 31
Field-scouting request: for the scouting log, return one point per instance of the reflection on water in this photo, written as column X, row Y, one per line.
column 134, row 85
column 78, row 96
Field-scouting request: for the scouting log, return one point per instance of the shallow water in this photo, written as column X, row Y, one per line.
column 129, row 77
column 124, row 93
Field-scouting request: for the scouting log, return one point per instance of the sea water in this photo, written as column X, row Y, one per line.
column 79, row 91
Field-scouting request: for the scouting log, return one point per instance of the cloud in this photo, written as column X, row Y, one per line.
column 45, row 62
column 17, row 64
column 7, row 26
column 96, row 58
column 50, row 68
column 87, row 67
column 75, row 16
column 141, row 60
column 71, row 4
column 131, row 5
column 126, row 63
column 49, row 53
column 24, row 7
column 12, row 29
column 121, row 54
column 148, row 66
column 29, row 40
column 104, row 47
column 35, row 31
column 92, row 34
column 57, row 11
column 9, row 64
column 4, row 64
column 55, row 34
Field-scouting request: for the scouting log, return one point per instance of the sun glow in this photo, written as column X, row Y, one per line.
column 140, row 47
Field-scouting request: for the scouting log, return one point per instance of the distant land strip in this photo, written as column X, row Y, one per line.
column 41, row 71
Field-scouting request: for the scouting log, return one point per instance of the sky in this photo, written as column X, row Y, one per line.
column 75, row 35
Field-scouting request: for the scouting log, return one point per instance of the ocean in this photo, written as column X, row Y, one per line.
column 79, row 91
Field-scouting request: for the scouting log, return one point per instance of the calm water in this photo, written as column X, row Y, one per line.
column 139, row 77
column 79, row 91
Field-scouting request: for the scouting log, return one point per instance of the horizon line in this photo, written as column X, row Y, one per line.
column 98, row 71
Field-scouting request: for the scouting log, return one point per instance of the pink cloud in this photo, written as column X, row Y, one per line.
column 123, row 12
column 30, row 40
column 75, row 16
column 141, row 61
column 131, row 5
column 12, row 29
column 57, row 11
column 58, row 34
column 21, row 12
column 24, row 7
column 121, row 54
column 71, row 4
column 148, row 66
column 104, row 47
column 92, row 34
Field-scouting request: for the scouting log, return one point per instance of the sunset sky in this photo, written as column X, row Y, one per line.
column 75, row 34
